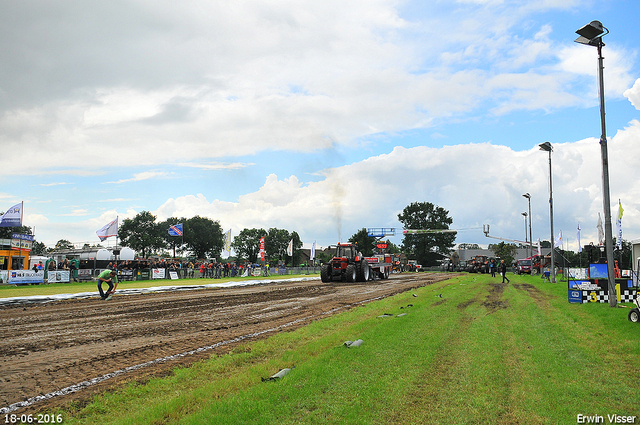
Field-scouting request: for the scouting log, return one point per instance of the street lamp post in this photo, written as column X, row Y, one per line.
column 526, row 195
column 524, row 214
column 591, row 35
column 546, row 146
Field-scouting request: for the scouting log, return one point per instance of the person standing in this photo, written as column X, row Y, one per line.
column 503, row 271
column 109, row 277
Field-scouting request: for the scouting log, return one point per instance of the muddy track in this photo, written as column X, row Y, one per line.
column 49, row 347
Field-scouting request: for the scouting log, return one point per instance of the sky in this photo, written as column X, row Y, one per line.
column 321, row 118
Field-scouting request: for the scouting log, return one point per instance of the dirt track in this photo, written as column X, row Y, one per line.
column 49, row 347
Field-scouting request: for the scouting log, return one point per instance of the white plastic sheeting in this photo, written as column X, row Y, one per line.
column 39, row 299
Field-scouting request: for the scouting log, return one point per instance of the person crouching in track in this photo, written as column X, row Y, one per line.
column 109, row 277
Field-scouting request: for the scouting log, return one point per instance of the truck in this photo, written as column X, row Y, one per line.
column 523, row 266
column 349, row 265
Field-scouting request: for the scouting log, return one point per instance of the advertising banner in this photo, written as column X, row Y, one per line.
column 21, row 244
column 84, row 274
column 25, row 276
column 58, row 276
column 157, row 273
column 125, row 274
column 575, row 297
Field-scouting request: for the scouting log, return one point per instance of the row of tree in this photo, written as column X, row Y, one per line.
column 204, row 238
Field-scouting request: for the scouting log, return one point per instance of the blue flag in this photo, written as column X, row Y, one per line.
column 175, row 230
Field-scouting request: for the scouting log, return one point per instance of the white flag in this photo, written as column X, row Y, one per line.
column 558, row 242
column 600, row 230
column 619, row 225
column 313, row 251
column 108, row 230
column 539, row 249
column 290, row 248
column 227, row 241
column 579, row 244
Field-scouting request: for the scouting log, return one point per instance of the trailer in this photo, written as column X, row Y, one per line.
column 380, row 265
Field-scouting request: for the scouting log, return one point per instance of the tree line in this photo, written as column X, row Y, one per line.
column 204, row 238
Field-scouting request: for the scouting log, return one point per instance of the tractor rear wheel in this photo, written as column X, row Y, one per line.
column 350, row 273
column 362, row 271
column 326, row 273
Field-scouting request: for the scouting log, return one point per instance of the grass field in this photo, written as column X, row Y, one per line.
column 468, row 351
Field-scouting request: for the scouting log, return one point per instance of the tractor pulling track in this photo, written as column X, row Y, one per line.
column 62, row 351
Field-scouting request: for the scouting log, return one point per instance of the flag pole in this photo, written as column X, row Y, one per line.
column 117, row 224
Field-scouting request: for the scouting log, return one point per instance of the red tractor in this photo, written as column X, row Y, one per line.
column 347, row 265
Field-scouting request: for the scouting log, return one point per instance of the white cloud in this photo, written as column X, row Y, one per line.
column 633, row 94
column 477, row 183
column 142, row 176
column 297, row 76
column 53, row 184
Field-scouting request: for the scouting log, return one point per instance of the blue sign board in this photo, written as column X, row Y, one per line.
column 575, row 296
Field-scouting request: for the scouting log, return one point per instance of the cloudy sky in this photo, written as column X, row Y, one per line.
column 316, row 117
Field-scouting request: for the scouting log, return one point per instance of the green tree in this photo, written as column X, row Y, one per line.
column 141, row 233
column 247, row 244
column 468, row 246
column 6, row 232
column 505, row 251
column 426, row 248
column 203, row 237
column 365, row 242
column 325, row 256
column 276, row 243
column 63, row 244
column 38, row 248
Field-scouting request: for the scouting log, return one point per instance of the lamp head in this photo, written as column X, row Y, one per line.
column 591, row 34
column 526, row 195
column 546, row 146
column 525, row 214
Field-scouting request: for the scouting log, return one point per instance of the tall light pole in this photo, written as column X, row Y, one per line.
column 591, row 35
column 524, row 214
column 546, row 146
column 526, row 195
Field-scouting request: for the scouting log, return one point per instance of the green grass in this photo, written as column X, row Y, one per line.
column 484, row 353
column 8, row 291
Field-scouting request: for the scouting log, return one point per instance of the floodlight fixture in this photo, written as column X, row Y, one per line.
column 546, row 146
column 592, row 33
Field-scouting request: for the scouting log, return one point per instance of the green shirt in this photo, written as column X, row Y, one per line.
column 106, row 275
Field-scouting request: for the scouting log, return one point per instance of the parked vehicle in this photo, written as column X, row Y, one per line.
column 478, row 264
column 523, row 266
